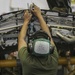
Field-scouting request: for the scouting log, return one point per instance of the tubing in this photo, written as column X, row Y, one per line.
column 14, row 63
column 57, row 26
column 8, row 63
column 69, row 40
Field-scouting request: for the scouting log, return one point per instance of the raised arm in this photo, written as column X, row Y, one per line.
column 22, row 34
column 44, row 26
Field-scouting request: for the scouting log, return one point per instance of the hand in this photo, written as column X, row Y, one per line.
column 27, row 16
column 36, row 11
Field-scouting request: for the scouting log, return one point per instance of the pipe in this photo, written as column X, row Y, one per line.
column 8, row 63
column 63, row 27
column 69, row 40
column 10, row 27
column 63, row 60
column 14, row 63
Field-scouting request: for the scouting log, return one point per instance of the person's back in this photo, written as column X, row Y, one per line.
column 32, row 64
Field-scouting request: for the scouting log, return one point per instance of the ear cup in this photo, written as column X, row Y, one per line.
column 51, row 49
column 30, row 48
column 37, row 35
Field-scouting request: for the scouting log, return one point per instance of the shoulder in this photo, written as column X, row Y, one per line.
column 22, row 52
column 55, row 53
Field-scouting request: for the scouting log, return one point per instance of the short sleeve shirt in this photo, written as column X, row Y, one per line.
column 32, row 65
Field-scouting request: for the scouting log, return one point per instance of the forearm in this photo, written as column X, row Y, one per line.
column 43, row 25
column 22, row 34
column 23, row 31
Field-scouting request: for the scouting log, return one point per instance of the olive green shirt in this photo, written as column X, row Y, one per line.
column 32, row 65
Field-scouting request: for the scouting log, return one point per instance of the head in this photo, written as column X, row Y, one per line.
column 40, row 44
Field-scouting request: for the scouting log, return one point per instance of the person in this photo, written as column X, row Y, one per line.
column 35, row 65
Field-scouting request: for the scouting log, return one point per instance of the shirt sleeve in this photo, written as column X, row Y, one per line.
column 22, row 53
column 55, row 53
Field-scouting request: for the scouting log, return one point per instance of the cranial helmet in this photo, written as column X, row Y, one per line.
column 39, row 44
